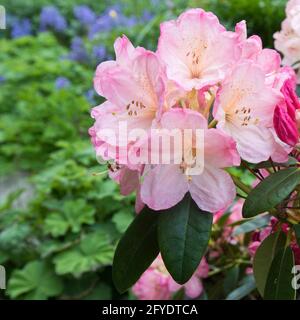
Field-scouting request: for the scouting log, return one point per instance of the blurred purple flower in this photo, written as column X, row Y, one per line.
column 111, row 18
column 78, row 50
column 2, row 79
column 147, row 16
column 51, row 18
column 90, row 95
column 85, row 15
column 128, row 21
column 99, row 52
column 62, row 82
column 20, row 28
column 102, row 24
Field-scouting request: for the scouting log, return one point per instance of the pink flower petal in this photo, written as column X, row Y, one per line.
column 163, row 187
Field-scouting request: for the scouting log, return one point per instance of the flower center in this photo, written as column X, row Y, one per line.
column 242, row 116
column 134, row 107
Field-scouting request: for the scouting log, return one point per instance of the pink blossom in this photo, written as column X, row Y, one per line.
column 196, row 49
column 199, row 66
column 287, row 41
column 133, row 86
column 165, row 185
column 252, row 49
column 252, row 248
column 128, row 179
column 244, row 108
column 285, row 115
column 157, row 284
column 293, row 12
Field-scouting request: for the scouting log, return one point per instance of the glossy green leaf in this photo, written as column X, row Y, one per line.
column 271, row 191
column 183, row 235
column 231, row 279
column 279, row 281
column 264, row 257
column 136, row 250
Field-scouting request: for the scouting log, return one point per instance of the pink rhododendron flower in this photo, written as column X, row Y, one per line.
column 157, row 284
column 165, row 185
column 201, row 77
column 244, row 109
column 252, row 49
column 293, row 12
column 285, row 115
column 133, row 86
column 196, row 49
column 287, row 41
column 127, row 178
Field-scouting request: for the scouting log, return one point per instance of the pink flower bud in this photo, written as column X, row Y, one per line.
column 285, row 115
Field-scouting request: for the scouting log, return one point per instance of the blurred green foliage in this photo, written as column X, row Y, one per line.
column 61, row 244
column 74, row 219
column 263, row 17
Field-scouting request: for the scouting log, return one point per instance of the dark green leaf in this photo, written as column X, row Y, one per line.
column 231, row 279
column 183, row 235
column 136, row 250
column 297, row 232
column 279, row 281
column 264, row 257
column 271, row 191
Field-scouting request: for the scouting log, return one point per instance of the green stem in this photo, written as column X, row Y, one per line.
column 219, row 270
column 289, row 237
column 240, row 184
column 228, row 266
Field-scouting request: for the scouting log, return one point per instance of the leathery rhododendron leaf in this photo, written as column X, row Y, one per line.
column 297, row 232
column 136, row 250
column 279, row 281
column 183, row 235
column 264, row 257
column 271, row 191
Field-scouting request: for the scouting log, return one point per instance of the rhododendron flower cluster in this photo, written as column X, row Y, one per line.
column 202, row 81
column 287, row 41
column 157, row 284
